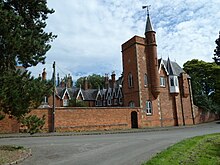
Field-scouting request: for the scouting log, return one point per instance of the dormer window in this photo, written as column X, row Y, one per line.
column 171, row 81
column 174, row 86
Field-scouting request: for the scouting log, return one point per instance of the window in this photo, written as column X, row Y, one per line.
column 171, row 81
column 131, row 104
column 109, row 101
column 176, row 81
column 162, row 82
column 145, row 80
column 148, row 107
column 99, row 103
column 65, row 102
column 120, row 101
column 130, row 80
column 45, row 99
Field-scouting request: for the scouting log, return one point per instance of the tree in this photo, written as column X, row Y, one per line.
column 22, row 36
column 23, row 41
column 19, row 92
column 205, row 83
column 217, row 51
column 95, row 81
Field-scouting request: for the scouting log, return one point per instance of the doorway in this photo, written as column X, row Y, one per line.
column 134, row 120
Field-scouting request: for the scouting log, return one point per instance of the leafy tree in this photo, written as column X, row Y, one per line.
column 95, row 81
column 205, row 83
column 22, row 36
column 19, row 92
column 217, row 51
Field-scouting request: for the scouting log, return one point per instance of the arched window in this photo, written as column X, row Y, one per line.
column 145, row 80
column 131, row 104
column 130, row 80
column 148, row 107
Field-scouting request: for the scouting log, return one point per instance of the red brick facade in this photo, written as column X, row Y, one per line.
column 151, row 84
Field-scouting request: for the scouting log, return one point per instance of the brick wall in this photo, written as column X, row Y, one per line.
column 84, row 119
column 9, row 125
column 201, row 116
column 81, row 119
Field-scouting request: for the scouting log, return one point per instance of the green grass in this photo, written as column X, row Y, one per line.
column 200, row 150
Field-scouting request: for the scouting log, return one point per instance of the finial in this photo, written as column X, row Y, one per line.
column 146, row 7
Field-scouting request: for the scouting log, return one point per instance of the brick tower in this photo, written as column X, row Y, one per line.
column 140, row 68
column 151, row 56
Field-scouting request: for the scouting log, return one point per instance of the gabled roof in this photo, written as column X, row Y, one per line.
column 172, row 67
column 71, row 92
column 90, row 94
column 65, row 91
column 161, row 63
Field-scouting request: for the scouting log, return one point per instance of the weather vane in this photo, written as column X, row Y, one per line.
column 146, row 7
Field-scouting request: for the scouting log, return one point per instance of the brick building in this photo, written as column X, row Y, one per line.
column 159, row 87
column 66, row 93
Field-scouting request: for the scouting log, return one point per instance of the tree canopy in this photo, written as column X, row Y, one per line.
column 217, row 51
column 22, row 37
column 23, row 41
column 205, row 78
column 95, row 81
column 19, row 92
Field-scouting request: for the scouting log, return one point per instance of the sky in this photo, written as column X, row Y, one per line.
column 91, row 32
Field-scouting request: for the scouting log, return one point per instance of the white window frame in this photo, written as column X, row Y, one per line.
column 149, row 107
column 162, row 81
column 65, row 102
column 131, row 104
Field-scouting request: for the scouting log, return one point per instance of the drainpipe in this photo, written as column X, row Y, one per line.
column 191, row 100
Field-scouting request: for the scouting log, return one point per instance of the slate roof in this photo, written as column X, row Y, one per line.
column 148, row 25
column 172, row 67
column 90, row 94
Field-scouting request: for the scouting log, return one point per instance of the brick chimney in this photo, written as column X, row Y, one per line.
column 86, row 85
column 58, row 79
column 113, row 79
column 69, row 81
column 44, row 74
column 106, row 81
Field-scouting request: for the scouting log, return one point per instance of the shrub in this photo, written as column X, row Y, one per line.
column 33, row 123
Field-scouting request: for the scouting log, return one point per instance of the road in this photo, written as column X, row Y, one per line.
column 106, row 149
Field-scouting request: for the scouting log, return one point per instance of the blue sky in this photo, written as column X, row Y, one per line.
column 91, row 32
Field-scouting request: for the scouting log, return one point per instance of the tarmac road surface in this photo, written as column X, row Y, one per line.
column 105, row 149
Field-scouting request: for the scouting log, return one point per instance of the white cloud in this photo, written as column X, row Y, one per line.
column 91, row 32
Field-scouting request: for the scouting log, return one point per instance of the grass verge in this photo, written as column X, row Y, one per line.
column 9, row 154
column 200, row 150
